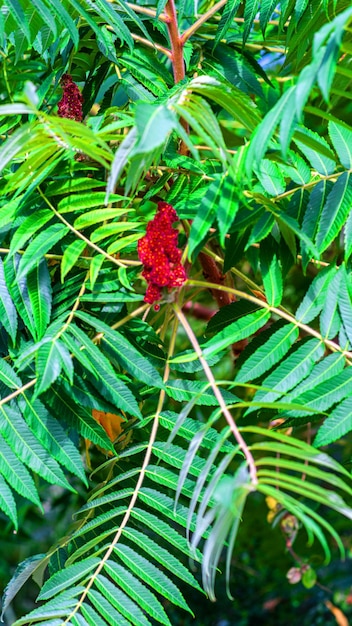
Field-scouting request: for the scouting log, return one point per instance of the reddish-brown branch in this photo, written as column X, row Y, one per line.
column 212, row 274
column 177, row 59
column 178, row 64
column 198, row 311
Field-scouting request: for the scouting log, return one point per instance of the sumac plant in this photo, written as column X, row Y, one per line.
column 175, row 291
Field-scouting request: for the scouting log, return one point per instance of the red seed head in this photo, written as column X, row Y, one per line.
column 70, row 105
column 160, row 255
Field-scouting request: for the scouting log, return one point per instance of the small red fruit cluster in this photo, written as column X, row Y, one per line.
column 70, row 105
column 160, row 255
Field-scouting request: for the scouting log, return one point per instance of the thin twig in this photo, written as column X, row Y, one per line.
column 153, row 45
column 147, row 11
column 78, row 233
column 217, row 393
column 203, row 18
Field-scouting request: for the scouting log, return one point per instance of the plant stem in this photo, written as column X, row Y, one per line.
column 151, row 44
column 212, row 273
column 178, row 64
column 147, row 11
column 217, row 393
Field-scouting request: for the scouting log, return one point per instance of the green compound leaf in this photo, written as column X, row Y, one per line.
column 40, row 246
column 338, row 424
column 341, row 137
column 40, row 296
column 335, row 211
column 268, row 354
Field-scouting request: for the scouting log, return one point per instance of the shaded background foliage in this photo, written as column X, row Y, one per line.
column 238, row 115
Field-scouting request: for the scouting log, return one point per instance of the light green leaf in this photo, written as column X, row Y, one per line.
column 270, row 266
column 154, row 123
column 39, row 292
column 322, row 396
column 289, row 372
column 338, row 424
column 29, row 227
column 316, row 150
column 250, row 11
column 84, row 201
column 8, row 315
column 243, row 328
column 330, row 321
column 91, row 218
column 163, row 529
column 345, row 301
column 348, row 237
column 205, row 215
column 162, row 556
column 8, row 376
column 121, row 157
column 20, row 17
column 39, row 246
column 48, row 366
column 268, row 354
column 137, row 590
column 121, row 602
column 28, row 447
column 185, row 390
column 271, row 177
column 66, row 577
column 335, row 211
column 104, row 378
column 265, row 131
column 341, row 137
column 17, row 474
column 312, row 217
column 111, row 229
column 23, row 571
column 7, row 503
column 328, row 367
column 314, row 299
column 53, row 437
column 71, row 256
column 95, row 267
column 67, row 20
column 227, row 208
column 124, row 352
column 150, row 574
column 105, row 609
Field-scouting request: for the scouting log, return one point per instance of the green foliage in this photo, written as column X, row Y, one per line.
column 162, row 427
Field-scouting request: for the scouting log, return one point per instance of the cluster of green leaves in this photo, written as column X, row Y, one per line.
column 254, row 152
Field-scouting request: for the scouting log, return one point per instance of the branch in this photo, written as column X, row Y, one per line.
column 151, row 44
column 203, row 18
column 178, row 64
column 212, row 274
column 147, row 11
column 217, row 393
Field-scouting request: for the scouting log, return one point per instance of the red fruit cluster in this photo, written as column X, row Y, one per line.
column 70, row 105
column 160, row 255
